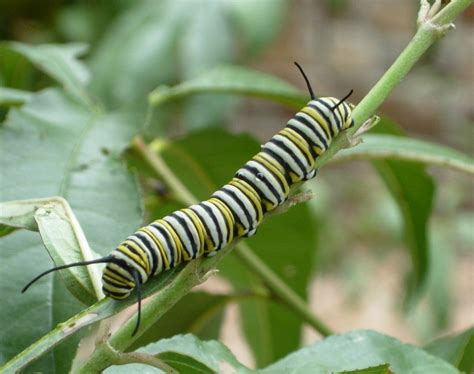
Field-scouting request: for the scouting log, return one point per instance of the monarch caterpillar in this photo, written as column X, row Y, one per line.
column 234, row 211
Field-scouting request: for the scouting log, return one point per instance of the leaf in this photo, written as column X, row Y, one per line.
column 232, row 80
column 457, row 349
column 61, row 235
column 157, row 43
column 11, row 96
column 137, row 51
column 19, row 214
column 99, row 311
column 25, row 317
column 259, row 22
column 56, row 145
column 188, row 354
column 206, row 44
column 379, row 369
column 205, row 160
column 62, row 242
column 357, row 350
column 59, row 61
column 200, row 313
column 413, row 191
column 396, row 147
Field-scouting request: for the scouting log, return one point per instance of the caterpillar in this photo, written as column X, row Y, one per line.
column 234, row 211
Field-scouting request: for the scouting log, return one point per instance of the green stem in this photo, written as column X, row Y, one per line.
column 114, row 357
column 194, row 273
column 160, row 166
column 280, row 289
column 143, row 358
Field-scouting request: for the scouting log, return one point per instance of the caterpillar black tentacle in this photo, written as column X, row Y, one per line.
column 232, row 212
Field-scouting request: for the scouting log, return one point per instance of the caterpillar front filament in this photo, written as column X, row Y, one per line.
column 235, row 210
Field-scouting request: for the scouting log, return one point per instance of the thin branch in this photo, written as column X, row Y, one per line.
column 280, row 289
column 143, row 358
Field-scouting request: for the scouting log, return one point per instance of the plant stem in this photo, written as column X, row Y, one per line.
column 190, row 276
column 280, row 289
column 161, row 168
column 118, row 358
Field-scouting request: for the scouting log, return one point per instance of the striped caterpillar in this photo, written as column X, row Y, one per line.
column 234, row 211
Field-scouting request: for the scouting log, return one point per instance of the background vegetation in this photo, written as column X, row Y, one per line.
column 385, row 244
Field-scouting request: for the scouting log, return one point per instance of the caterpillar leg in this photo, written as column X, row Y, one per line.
column 310, row 175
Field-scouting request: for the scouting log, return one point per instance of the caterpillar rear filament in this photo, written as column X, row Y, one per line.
column 235, row 210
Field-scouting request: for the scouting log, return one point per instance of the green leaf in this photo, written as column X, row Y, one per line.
column 59, row 61
column 456, row 349
column 56, row 145
column 19, row 214
column 62, row 237
column 138, row 51
column 25, row 317
column 357, row 350
column 379, row 369
column 259, row 22
column 232, row 80
column 12, row 96
column 154, row 43
column 204, row 161
column 63, row 244
column 396, row 147
column 206, row 44
column 188, row 354
column 413, row 191
column 200, row 313
column 99, row 311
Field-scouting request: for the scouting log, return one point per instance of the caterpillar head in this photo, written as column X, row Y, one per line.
column 339, row 108
column 120, row 278
column 129, row 279
column 344, row 109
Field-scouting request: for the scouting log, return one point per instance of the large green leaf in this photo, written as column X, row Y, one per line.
column 56, row 145
column 396, row 147
column 207, row 44
column 456, row 349
column 59, row 62
column 99, row 311
column 232, row 80
column 188, row 354
column 25, row 317
column 258, row 21
column 137, row 52
column 203, row 162
column 358, row 350
column 153, row 43
column 413, row 191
